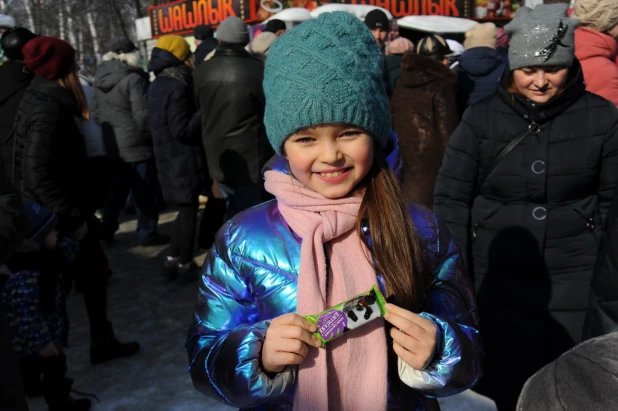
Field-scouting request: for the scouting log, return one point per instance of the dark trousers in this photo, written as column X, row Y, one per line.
column 141, row 179
column 56, row 386
column 241, row 197
column 183, row 236
column 90, row 270
column 11, row 389
column 211, row 221
column 99, row 176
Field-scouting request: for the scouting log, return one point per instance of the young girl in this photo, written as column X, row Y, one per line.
column 338, row 226
column 35, row 303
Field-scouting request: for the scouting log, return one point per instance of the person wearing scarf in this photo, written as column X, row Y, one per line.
column 338, row 225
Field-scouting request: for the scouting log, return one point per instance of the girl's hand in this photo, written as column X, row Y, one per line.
column 49, row 350
column 287, row 342
column 414, row 336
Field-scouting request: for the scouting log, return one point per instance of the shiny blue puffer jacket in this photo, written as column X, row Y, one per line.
column 250, row 277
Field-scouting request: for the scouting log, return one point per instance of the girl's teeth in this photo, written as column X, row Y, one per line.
column 332, row 175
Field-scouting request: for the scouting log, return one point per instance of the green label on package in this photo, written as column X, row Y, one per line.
column 348, row 315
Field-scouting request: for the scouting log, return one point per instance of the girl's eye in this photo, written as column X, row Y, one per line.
column 303, row 140
column 350, row 133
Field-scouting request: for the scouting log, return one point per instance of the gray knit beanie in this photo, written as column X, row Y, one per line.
column 544, row 36
column 233, row 31
column 585, row 378
column 326, row 70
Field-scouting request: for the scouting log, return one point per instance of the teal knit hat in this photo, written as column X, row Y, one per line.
column 327, row 70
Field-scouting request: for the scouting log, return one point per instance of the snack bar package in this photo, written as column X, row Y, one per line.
column 348, row 315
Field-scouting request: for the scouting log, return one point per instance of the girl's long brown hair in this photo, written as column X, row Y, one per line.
column 395, row 246
column 71, row 83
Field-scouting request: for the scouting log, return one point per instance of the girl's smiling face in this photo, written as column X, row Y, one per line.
column 330, row 159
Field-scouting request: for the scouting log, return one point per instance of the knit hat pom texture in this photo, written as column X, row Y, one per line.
column 233, row 31
column 49, row 57
column 325, row 71
column 599, row 15
column 481, row 35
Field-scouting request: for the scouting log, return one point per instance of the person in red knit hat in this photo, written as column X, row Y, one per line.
column 51, row 164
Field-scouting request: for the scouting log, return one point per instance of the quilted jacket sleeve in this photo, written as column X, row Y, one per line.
column 138, row 97
column 609, row 161
column 37, row 167
column 225, row 340
column 602, row 316
column 456, row 183
column 451, row 305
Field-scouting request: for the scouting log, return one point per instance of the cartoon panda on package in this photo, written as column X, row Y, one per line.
column 349, row 315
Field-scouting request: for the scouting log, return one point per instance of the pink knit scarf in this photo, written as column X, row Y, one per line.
column 350, row 373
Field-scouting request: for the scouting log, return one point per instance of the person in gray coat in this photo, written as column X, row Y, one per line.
column 120, row 106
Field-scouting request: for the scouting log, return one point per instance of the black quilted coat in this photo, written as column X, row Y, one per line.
column 602, row 315
column 50, row 155
column 14, row 80
column 175, row 126
column 532, row 230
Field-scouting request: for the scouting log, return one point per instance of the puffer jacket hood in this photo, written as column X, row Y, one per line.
column 112, row 72
column 14, row 79
column 480, row 61
column 162, row 59
column 595, row 44
column 120, row 106
column 480, row 70
column 418, row 70
column 597, row 53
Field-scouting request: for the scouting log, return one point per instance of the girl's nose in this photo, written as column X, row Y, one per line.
column 331, row 152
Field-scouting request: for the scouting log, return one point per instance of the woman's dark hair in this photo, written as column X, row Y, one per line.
column 395, row 245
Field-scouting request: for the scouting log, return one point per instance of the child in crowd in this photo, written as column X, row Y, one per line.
column 338, row 226
column 35, row 304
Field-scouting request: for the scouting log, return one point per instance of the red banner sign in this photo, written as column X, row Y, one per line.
column 181, row 17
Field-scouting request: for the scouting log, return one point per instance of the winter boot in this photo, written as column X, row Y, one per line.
column 170, row 268
column 187, row 273
column 212, row 220
column 31, row 368
column 108, row 347
column 56, row 387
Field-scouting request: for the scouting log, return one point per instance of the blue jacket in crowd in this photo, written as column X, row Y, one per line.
column 250, row 277
column 480, row 69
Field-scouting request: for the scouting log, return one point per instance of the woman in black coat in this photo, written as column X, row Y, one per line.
column 50, row 163
column 175, row 126
column 530, row 222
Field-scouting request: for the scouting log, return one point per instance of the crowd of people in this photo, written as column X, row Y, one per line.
column 475, row 190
